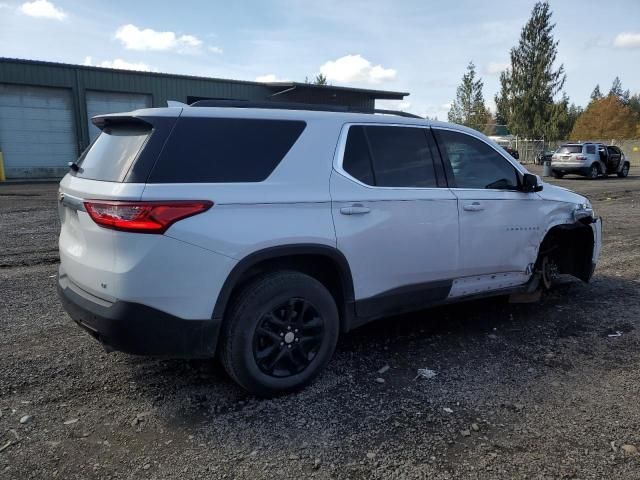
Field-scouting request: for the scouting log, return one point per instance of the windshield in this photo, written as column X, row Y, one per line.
column 570, row 149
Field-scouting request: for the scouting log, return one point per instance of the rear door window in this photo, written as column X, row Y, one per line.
column 591, row 149
column 113, row 152
column 390, row 156
column 224, row 150
column 401, row 157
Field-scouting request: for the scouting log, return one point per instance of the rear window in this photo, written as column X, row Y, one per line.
column 224, row 150
column 112, row 154
column 570, row 149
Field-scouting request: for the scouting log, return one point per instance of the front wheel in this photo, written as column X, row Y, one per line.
column 625, row 171
column 548, row 272
column 280, row 333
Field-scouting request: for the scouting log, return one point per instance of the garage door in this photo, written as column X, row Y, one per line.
column 112, row 102
column 37, row 133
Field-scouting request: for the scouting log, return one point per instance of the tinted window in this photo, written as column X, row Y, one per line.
column 222, row 150
column 476, row 164
column 401, row 157
column 357, row 161
column 570, row 149
column 111, row 155
column 591, row 149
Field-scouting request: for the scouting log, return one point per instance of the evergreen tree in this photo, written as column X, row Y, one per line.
column 617, row 91
column 528, row 87
column 565, row 118
column 634, row 103
column 468, row 108
column 320, row 80
column 502, row 101
column 596, row 94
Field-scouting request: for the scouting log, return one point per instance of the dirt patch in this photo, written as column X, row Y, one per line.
column 547, row 390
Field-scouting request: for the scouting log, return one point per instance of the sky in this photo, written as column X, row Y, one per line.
column 416, row 46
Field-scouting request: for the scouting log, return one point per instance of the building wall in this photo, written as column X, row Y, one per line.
column 160, row 88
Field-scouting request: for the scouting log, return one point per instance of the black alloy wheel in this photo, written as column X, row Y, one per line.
column 288, row 338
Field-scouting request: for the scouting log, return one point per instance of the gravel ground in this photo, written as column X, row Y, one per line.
column 521, row 391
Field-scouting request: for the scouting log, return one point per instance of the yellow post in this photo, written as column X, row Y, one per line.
column 2, row 177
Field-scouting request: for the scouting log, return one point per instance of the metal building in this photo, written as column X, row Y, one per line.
column 46, row 108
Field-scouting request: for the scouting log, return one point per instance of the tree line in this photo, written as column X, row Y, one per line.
column 527, row 102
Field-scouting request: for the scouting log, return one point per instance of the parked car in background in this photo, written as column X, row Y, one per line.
column 589, row 160
column 544, row 156
column 512, row 151
column 262, row 234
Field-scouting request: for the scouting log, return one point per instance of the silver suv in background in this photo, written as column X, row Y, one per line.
column 589, row 160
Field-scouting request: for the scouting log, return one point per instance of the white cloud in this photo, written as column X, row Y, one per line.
column 134, row 38
column 120, row 64
column 354, row 69
column 42, row 9
column 269, row 78
column 214, row 49
column 627, row 40
column 495, row 68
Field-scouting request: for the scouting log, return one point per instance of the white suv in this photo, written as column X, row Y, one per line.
column 263, row 233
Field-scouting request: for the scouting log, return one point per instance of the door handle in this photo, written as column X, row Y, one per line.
column 355, row 209
column 473, row 207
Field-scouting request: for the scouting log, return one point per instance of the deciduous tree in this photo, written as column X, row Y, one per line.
column 604, row 119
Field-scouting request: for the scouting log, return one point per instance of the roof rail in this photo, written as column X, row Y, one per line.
column 295, row 106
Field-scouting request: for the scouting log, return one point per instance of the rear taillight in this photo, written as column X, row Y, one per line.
column 580, row 157
column 143, row 217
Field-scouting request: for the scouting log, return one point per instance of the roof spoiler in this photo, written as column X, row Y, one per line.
column 103, row 121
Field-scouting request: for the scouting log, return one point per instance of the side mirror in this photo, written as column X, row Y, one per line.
column 530, row 183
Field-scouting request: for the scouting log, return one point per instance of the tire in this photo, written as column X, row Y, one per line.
column 257, row 334
column 557, row 175
column 594, row 171
column 625, row 171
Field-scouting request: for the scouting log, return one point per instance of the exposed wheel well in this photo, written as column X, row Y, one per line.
column 571, row 247
column 329, row 269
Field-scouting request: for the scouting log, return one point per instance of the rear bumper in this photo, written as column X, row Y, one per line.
column 136, row 328
column 579, row 168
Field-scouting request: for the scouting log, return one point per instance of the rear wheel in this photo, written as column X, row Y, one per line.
column 280, row 333
column 594, row 171
column 557, row 174
column 625, row 171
